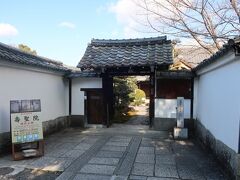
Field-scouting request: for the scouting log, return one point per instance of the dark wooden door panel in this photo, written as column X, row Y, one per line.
column 95, row 107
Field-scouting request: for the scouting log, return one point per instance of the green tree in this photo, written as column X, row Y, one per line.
column 27, row 49
column 124, row 89
column 139, row 97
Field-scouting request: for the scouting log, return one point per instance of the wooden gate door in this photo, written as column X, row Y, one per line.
column 95, row 113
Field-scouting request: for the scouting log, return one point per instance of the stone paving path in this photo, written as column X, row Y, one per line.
column 142, row 117
column 119, row 153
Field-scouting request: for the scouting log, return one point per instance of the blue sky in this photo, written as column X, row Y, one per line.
column 61, row 29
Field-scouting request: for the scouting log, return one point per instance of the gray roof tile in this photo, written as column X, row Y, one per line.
column 127, row 52
column 223, row 51
column 192, row 55
column 15, row 55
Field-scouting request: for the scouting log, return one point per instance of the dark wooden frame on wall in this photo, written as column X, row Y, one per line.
column 86, row 90
column 180, row 74
column 19, row 155
column 172, row 88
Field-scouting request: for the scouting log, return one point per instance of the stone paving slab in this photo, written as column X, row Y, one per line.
column 83, row 146
column 98, row 169
column 165, row 159
column 163, row 142
column 143, row 169
column 117, row 154
column 7, row 161
column 51, row 146
column 51, row 164
column 145, row 158
column 110, row 154
column 91, row 177
column 147, row 144
column 166, row 170
column 70, row 139
column 204, row 161
column 60, row 164
column 61, row 149
column 124, row 140
column 163, row 150
column 156, row 178
column 114, row 148
column 117, row 177
column 155, row 141
column 121, row 137
column 133, row 177
column 190, row 172
column 106, row 161
column 42, row 162
column 146, row 150
column 185, row 159
column 73, row 153
column 118, row 143
column 89, row 140
column 66, row 175
column 126, row 164
column 84, row 158
column 212, row 173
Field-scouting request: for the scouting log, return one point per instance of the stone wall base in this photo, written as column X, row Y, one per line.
column 55, row 125
column 5, row 142
column 227, row 157
column 76, row 120
column 168, row 124
column 49, row 127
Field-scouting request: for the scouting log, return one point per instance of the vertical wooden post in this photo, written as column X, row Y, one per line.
column 192, row 99
column 107, row 98
column 152, row 96
column 85, row 109
column 104, row 87
column 70, row 96
column 239, row 141
column 110, row 96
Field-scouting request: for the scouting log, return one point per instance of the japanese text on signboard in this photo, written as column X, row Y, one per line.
column 26, row 124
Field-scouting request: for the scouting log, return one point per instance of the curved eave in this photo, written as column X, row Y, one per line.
column 214, row 57
column 123, row 66
column 37, row 65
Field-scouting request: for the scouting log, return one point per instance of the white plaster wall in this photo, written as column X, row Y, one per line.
column 166, row 108
column 78, row 96
column 218, row 100
column 195, row 97
column 20, row 84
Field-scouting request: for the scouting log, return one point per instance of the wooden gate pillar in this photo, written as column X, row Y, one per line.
column 107, row 86
column 152, row 96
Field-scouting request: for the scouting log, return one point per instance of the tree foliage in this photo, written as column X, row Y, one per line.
column 123, row 91
column 139, row 96
column 27, row 49
column 209, row 23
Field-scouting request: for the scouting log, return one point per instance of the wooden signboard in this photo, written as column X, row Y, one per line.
column 26, row 128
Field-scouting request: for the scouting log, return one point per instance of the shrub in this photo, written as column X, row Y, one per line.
column 139, row 97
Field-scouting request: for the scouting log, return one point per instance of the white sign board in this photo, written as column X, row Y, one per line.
column 26, row 123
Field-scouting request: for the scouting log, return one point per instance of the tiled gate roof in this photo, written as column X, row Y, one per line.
column 124, row 53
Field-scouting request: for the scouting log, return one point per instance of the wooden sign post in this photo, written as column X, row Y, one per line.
column 26, row 129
